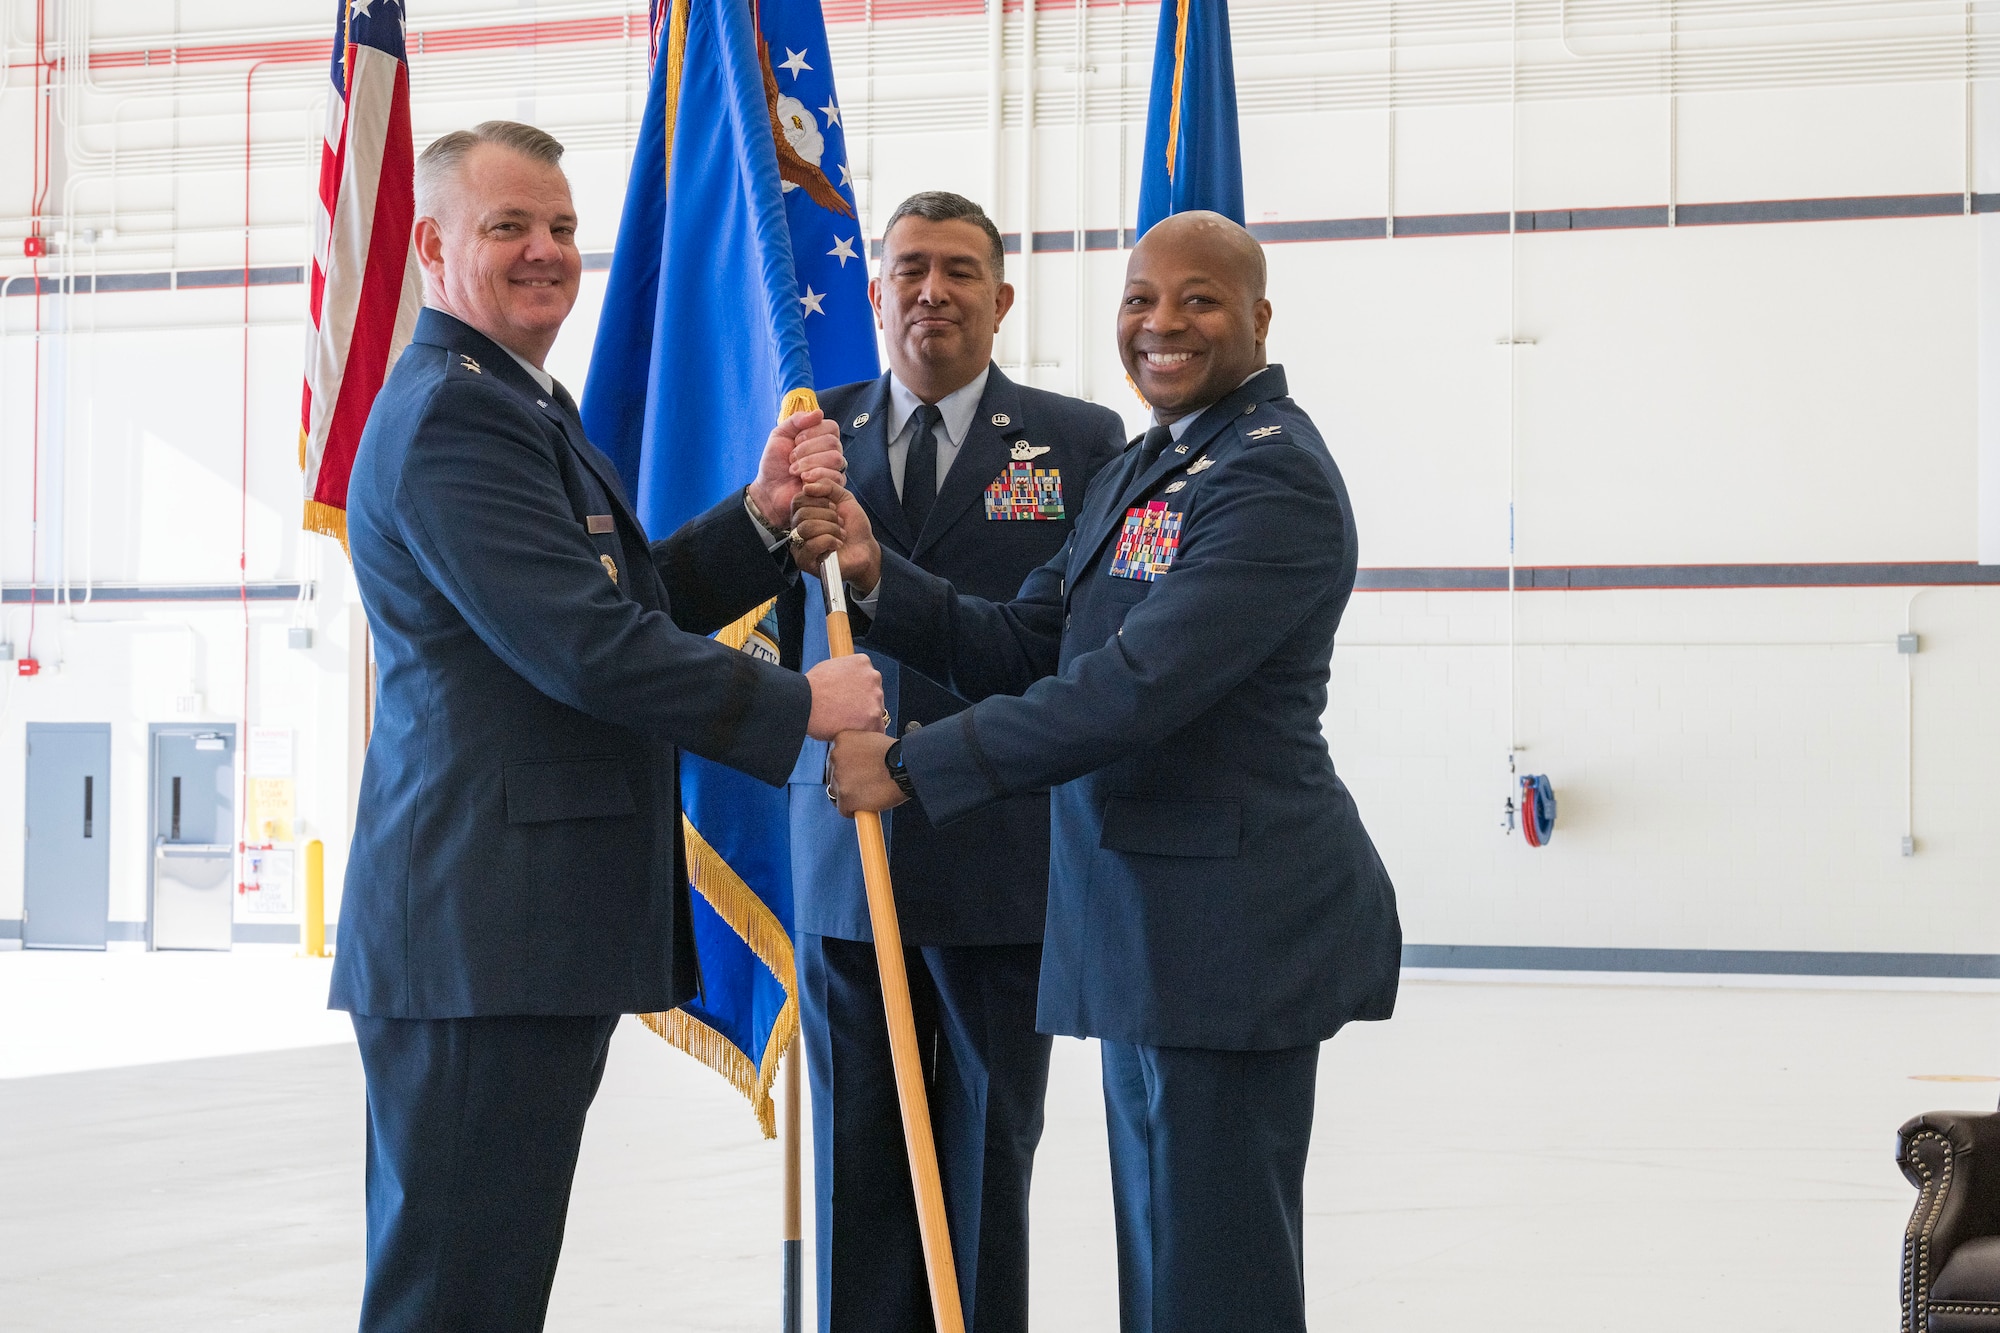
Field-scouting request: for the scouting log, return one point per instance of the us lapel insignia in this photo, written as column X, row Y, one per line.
column 1264, row 432
column 1023, row 451
column 1180, row 448
column 469, row 364
column 861, row 421
column 1147, row 544
column 1176, row 486
column 1025, row 492
column 610, row 566
column 1002, row 419
column 1200, row 465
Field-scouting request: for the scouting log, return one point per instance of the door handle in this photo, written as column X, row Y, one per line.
column 88, row 783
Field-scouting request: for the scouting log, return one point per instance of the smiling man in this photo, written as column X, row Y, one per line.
column 975, row 479
column 517, row 878
column 1216, row 909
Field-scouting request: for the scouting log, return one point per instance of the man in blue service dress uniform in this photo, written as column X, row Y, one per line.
column 1216, row 909
column 977, row 480
column 516, row 880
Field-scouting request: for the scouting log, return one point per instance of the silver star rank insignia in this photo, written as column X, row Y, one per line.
column 469, row 364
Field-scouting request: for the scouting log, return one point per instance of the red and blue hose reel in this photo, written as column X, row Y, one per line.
column 1538, row 809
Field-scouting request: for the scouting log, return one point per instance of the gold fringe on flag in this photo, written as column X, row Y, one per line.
column 329, row 521
column 738, row 905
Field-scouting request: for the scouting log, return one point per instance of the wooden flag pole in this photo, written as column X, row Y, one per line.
column 931, row 1221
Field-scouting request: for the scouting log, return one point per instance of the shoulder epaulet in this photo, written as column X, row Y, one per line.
column 1254, row 425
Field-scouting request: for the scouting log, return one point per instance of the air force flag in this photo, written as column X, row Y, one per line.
column 740, row 269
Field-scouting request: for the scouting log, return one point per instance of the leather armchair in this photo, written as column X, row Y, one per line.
column 1951, row 1247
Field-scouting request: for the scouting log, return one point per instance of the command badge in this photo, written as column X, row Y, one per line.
column 610, row 566
column 1025, row 491
column 1148, row 543
column 1200, row 465
column 1177, row 486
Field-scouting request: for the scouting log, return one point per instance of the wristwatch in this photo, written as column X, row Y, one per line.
column 893, row 758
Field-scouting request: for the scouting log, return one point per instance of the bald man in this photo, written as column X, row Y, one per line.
column 1216, row 909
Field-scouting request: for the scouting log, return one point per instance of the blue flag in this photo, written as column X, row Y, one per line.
column 739, row 282
column 1193, row 156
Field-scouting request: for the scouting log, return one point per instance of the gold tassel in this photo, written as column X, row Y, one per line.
column 329, row 521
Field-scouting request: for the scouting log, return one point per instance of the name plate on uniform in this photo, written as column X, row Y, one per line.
column 1147, row 544
column 1025, row 491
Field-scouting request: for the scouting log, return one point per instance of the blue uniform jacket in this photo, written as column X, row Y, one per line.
column 1211, row 884
column 984, row 880
column 517, row 848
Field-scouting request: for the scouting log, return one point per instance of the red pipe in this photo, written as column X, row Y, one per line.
column 38, row 196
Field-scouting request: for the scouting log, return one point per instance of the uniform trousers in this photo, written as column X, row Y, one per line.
column 987, row 1071
column 1208, row 1165
column 473, row 1131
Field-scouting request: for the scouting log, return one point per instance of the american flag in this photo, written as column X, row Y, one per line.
column 365, row 285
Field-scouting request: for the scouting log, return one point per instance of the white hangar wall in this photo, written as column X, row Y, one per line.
column 1794, row 386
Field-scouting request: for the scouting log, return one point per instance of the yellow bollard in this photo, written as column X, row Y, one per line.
column 315, row 899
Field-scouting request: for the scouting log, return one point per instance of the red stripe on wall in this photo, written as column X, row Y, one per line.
column 499, row 37
column 420, row 42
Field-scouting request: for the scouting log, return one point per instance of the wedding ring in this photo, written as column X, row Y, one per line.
column 887, row 721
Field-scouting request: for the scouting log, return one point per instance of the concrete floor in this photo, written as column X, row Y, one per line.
column 1507, row 1154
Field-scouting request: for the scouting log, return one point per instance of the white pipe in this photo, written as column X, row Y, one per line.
column 1123, row 126
column 1513, row 368
column 1024, row 289
column 1079, row 286
column 1910, row 722
column 1389, row 207
column 996, row 92
column 864, row 205
column 1673, row 115
column 1968, row 108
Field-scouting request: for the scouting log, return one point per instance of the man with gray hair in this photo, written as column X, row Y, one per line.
column 976, row 479
column 517, row 878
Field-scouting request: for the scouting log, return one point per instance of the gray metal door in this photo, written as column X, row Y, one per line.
column 68, row 890
column 194, row 842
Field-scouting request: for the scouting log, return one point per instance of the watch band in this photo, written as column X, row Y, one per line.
column 892, row 758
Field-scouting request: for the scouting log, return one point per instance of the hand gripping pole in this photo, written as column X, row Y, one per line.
column 931, row 1220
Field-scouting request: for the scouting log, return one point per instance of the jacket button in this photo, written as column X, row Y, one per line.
column 912, row 725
